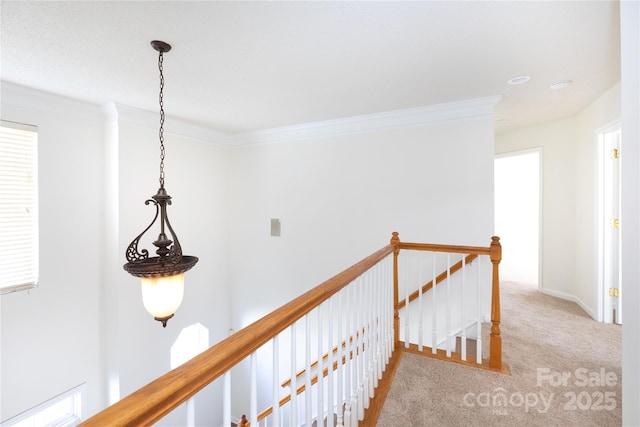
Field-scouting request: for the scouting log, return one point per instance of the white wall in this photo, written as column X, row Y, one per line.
column 569, row 229
column 600, row 113
column 86, row 322
column 557, row 140
column 339, row 199
column 49, row 335
column 195, row 177
column 630, row 70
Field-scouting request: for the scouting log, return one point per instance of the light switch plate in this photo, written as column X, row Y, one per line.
column 275, row 227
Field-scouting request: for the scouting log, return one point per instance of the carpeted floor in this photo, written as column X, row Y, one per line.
column 565, row 371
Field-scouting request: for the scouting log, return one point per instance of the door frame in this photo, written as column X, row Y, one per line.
column 604, row 300
column 540, row 152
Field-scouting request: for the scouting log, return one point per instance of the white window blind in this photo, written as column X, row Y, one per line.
column 18, row 207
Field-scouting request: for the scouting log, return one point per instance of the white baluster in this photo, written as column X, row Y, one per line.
column 370, row 349
column 420, row 315
column 293, row 388
column 448, row 305
column 191, row 412
column 253, row 407
column 371, row 332
column 391, row 327
column 330, row 391
column 382, row 308
column 276, row 385
column 340, row 387
column 226, row 399
column 349, row 357
column 347, row 414
column 407, row 338
column 463, row 338
column 377, row 323
column 366, row 349
column 307, row 391
column 380, row 321
column 479, row 319
column 434, row 308
column 320, row 368
column 360, row 367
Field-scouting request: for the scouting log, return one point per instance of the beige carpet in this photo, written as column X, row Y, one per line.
column 565, row 371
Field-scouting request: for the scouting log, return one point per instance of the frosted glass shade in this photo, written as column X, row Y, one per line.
column 162, row 296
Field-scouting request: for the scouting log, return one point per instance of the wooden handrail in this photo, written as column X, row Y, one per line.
column 152, row 402
column 439, row 279
column 478, row 250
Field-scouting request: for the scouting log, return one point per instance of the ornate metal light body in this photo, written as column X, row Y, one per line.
column 162, row 276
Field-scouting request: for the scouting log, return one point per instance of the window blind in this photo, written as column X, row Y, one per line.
column 18, row 207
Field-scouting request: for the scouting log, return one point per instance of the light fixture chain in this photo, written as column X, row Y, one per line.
column 160, row 59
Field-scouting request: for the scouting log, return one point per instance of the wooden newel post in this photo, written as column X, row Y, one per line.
column 395, row 242
column 495, row 340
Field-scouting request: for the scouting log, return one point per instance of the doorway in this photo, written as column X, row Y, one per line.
column 517, row 189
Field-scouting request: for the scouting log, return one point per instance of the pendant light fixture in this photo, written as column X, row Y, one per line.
column 162, row 276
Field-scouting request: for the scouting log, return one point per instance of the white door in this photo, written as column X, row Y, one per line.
column 610, row 223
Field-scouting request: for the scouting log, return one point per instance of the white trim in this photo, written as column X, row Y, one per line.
column 34, row 99
column 540, row 152
column 37, row 100
column 398, row 119
column 76, row 398
column 173, row 126
column 541, row 178
column 572, row 298
column 612, row 125
column 603, row 300
column 518, row 152
column 17, row 288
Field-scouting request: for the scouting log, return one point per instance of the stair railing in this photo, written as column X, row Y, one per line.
column 363, row 292
column 450, row 305
column 346, row 330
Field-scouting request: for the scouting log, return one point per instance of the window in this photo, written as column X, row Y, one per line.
column 18, row 207
column 65, row 410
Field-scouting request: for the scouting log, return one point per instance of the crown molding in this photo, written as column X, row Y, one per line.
column 398, row 119
column 173, row 126
column 16, row 95
column 34, row 99
column 37, row 100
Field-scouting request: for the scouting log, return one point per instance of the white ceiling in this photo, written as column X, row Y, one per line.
column 243, row 66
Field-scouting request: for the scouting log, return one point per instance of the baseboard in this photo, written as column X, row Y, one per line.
column 572, row 298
